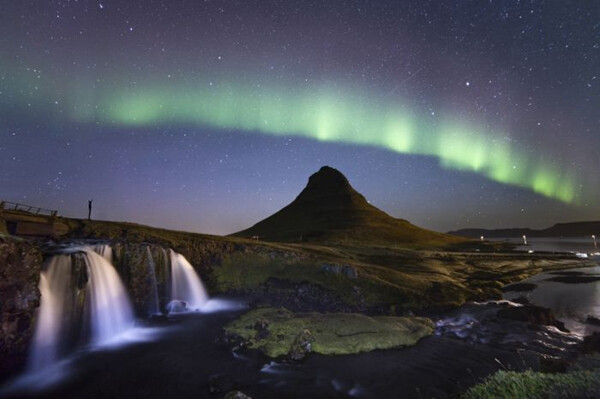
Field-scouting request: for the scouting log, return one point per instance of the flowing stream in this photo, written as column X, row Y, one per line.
column 85, row 305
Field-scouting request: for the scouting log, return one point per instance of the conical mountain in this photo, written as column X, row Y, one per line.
column 329, row 210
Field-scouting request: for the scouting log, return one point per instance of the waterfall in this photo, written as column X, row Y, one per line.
column 59, row 325
column 48, row 338
column 110, row 311
column 185, row 285
column 105, row 251
column 154, row 306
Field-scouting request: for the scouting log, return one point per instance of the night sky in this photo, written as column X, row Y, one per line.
column 208, row 116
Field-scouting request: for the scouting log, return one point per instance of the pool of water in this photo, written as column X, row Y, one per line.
column 188, row 358
column 573, row 295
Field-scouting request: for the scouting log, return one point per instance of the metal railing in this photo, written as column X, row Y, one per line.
column 13, row 206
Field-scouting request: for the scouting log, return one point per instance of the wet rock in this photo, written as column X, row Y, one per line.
column 522, row 300
column 177, row 306
column 535, row 315
column 591, row 343
column 519, row 287
column 592, row 320
column 301, row 346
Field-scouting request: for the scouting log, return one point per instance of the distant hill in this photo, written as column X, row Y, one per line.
column 574, row 229
column 330, row 210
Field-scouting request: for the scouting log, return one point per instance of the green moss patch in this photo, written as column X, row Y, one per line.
column 533, row 385
column 279, row 332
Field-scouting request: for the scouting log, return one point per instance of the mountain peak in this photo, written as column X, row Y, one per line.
column 327, row 183
column 330, row 210
column 327, row 177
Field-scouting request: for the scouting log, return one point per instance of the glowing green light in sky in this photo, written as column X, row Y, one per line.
column 345, row 117
column 330, row 114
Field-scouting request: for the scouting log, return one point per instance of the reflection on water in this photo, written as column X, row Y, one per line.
column 571, row 302
column 554, row 244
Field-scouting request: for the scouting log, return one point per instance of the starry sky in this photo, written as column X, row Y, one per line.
column 208, row 116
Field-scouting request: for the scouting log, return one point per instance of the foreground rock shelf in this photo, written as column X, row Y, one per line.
column 279, row 332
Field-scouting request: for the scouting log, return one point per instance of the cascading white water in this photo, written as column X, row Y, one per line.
column 154, row 306
column 185, row 284
column 55, row 282
column 105, row 251
column 110, row 311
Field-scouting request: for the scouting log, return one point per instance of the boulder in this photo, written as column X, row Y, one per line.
column 177, row 306
column 535, row 315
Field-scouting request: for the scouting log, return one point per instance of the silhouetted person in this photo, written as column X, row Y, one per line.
column 90, row 209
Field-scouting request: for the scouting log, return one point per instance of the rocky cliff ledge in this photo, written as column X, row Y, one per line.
column 20, row 265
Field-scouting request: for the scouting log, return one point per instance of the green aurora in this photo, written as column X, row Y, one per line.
column 324, row 113
column 342, row 116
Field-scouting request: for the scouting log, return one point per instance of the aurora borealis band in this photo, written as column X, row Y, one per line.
column 437, row 110
column 346, row 118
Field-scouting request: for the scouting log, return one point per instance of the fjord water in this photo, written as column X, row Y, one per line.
column 555, row 244
column 571, row 302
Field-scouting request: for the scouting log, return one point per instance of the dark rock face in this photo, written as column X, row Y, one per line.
column 3, row 229
column 519, row 287
column 20, row 265
column 302, row 297
column 591, row 343
column 592, row 320
column 535, row 315
column 145, row 270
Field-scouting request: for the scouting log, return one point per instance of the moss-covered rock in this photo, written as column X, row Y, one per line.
column 279, row 332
